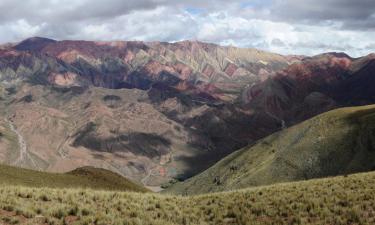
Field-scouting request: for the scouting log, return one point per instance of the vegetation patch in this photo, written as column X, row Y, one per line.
column 26, row 98
column 112, row 101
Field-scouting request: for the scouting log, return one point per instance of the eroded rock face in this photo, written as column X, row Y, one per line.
column 63, row 79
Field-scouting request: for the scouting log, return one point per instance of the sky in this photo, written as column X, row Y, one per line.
column 303, row 27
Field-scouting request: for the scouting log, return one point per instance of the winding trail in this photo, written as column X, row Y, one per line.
column 63, row 154
column 21, row 144
column 60, row 149
column 145, row 179
column 24, row 154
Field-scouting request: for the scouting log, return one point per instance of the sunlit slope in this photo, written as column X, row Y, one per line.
column 337, row 142
column 86, row 177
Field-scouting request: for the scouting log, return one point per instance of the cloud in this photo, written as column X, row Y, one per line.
column 18, row 29
column 358, row 14
column 160, row 24
column 286, row 38
column 283, row 26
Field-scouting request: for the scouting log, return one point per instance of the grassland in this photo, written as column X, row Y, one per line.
column 340, row 200
column 86, row 177
column 335, row 143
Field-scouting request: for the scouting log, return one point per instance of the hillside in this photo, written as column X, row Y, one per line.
column 337, row 142
column 86, row 177
column 339, row 200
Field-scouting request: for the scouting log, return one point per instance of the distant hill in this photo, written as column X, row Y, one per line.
column 86, row 177
column 338, row 142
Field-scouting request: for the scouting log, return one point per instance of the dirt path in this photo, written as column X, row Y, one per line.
column 24, row 154
column 149, row 174
column 21, row 144
column 144, row 181
column 63, row 154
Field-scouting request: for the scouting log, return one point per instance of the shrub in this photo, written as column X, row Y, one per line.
column 58, row 213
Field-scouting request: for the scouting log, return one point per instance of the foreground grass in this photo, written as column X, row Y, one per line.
column 340, row 200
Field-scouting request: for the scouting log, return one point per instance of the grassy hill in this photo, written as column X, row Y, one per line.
column 339, row 200
column 337, row 142
column 86, row 177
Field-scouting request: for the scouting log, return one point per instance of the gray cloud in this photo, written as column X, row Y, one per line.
column 67, row 10
column 278, row 42
column 36, row 11
column 353, row 14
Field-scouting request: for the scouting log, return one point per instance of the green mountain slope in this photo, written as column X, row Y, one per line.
column 86, row 177
column 339, row 200
column 337, row 142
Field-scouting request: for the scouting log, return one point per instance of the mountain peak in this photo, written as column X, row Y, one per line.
column 33, row 44
column 337, row 54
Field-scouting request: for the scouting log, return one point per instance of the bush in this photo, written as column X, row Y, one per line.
column 44, row 198
column 58, row 213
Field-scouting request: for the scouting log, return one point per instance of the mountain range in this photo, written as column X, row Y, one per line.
column 155, row 111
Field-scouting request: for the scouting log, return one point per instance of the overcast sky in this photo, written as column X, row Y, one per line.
column 284, row 26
